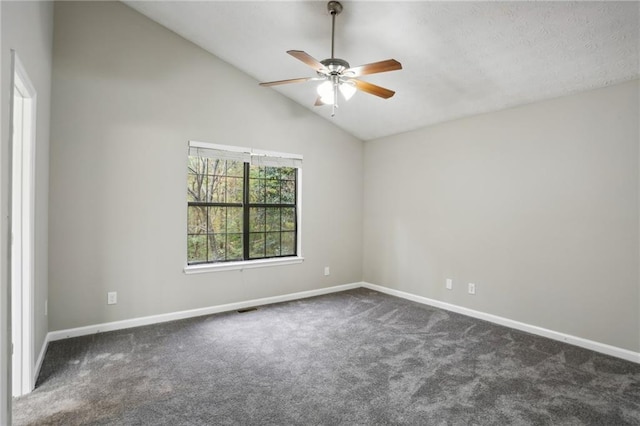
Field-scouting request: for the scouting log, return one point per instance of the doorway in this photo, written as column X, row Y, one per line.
column 23, row 122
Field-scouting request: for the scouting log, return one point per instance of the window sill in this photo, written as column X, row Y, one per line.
column 246, row 264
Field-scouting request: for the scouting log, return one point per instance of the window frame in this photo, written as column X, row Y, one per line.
column 261, row 262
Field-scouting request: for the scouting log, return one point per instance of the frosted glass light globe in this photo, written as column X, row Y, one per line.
column 325, row 90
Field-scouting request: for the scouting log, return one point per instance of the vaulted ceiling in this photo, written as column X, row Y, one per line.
column 458, row 58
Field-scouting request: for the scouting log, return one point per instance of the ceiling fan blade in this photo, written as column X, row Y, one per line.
column 373, row 89
column 292, row 80
column 308, row 59
column 376, row 67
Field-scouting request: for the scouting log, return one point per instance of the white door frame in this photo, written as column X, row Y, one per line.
column 22, row 122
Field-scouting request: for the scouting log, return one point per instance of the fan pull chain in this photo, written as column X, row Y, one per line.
column 335, row 97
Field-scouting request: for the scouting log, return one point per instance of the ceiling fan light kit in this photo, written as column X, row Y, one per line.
column 337, row 76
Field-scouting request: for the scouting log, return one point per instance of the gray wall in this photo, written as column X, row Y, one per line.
column 537, row 205
column 127, row 96
column 27, row 27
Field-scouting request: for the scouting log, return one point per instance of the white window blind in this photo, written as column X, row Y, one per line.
column 267, row 160
column 247, row 155
column 200, row 149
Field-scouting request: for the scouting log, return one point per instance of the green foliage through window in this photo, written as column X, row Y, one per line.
column 238, row 211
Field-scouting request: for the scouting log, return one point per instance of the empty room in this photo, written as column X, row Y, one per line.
column 320, row 213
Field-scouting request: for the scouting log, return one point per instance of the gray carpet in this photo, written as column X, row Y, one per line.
column 350, row 358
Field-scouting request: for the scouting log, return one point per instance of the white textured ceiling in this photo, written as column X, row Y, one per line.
column 459, row 58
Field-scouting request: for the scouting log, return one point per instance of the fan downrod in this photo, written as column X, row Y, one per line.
column 334, row 8
column 335, row 65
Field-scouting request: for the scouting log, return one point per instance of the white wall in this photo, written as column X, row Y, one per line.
column 27, row 27
column 536, row 205
column 127, row 96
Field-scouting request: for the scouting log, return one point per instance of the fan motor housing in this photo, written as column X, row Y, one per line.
column 335, row 65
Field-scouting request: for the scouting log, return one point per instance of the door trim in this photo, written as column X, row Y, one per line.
column 24, row 294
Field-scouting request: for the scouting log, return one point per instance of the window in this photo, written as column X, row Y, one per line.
column 242, row 204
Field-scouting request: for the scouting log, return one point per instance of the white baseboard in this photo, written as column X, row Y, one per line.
column 155, row 319
column 172, row 316
column 555, row 335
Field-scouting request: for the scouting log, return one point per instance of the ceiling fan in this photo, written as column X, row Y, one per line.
column 337, row 75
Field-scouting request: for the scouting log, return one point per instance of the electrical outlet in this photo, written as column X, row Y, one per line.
column 46, row 307
column 472, row 288
column 112, row 298
column 449, row 284
column 327, row 271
